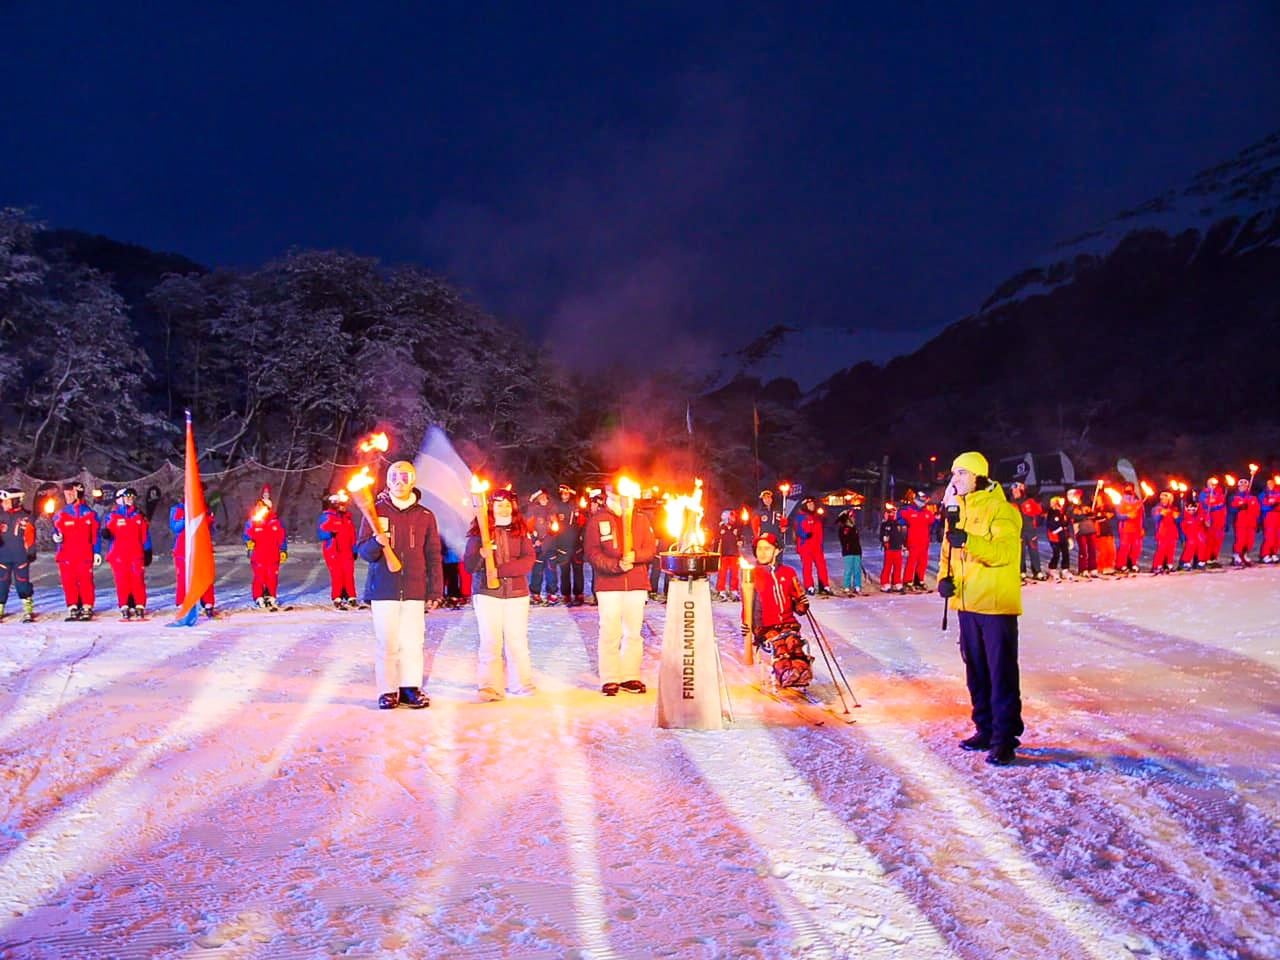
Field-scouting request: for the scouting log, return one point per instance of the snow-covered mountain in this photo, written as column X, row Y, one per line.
column 1233, row 207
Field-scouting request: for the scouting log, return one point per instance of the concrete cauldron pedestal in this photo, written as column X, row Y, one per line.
column 692, row 693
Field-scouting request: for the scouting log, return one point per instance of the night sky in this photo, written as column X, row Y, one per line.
column 590, row 174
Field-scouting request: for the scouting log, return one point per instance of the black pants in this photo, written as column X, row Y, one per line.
column 571, row 578
column 20, row 575
column 1060, row 558
column 1030, row 555
column 989, row 647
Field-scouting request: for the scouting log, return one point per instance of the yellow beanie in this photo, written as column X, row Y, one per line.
column 972, row 461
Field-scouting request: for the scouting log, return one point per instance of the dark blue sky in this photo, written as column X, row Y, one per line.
column 587, row 172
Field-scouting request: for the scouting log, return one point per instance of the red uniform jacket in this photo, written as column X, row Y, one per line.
column 1167, row 522
column 337, row 536
column 604, row 553
column 78, row 525
column 777, row 592
column 919, row 521
column 126, row 536
column 268, row 538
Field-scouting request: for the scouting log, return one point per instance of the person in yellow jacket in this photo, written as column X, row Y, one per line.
column 981, row 577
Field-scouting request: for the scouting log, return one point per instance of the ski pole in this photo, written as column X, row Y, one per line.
column 825, row 646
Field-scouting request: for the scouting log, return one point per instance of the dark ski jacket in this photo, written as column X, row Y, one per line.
column 415, row 538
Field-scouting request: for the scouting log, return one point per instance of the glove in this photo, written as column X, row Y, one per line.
column 146, row 557
column 249, row 545
column 57, row 537
column 802, row 606
column 31, row 556
column 284, row 555
column 97, row 559
column 946, row 587
column 957, row 537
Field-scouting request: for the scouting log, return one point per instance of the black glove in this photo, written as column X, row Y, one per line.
column 146, row 557
column 31, row 556
column 957, row 537
column 946, row 588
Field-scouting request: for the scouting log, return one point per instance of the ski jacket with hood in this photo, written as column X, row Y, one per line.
column 987, row 569
column 415, row 539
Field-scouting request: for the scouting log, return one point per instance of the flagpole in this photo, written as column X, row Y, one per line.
column 755, row 441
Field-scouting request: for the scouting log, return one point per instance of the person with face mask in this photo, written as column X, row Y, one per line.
column 622, row 587
column 502, row 612
column 981, row 579
column 401, row 598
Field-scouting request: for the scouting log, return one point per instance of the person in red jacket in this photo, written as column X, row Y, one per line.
column 75, row 531
column 1247, row 510
column 1213, row 507
column 918, row 516
column 1195, row 548
column 893, row 537
column 336, row 532
column 126, row 537
column 779, row 601
column 1165, row 514
column 622, row 587
column 1270, row 502
column 268, row 545
column 1131, row 511
column 809, row 546
column 178, row 527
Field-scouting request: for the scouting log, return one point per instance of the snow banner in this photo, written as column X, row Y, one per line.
column 445, row 483
column 198, row 553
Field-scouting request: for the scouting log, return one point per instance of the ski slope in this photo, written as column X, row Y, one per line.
column 229, row 790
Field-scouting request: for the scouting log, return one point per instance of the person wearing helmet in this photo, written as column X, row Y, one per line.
column 401, row 598
column 622, row 587
column 850, row 551
column 1165, row 515
column 1131, row 510
column 777, row 605
column 918, row 517
column 336, row 532
column 980, row 577
column 893, row 538
column 502, row 611
column 1195, row 550
column 125, row 539
column 267, row 543
column 1245, row 530
column 17, row 551
column 75, row 531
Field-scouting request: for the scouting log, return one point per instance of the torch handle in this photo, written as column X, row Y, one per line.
column 375, row 523
column 748, row 615
column 486, row 540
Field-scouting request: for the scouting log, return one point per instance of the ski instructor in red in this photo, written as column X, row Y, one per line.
column 125, row 538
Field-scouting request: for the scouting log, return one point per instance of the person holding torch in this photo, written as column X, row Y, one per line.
column 267, row 543
column 400, row 541
column 981, row 579
column 1246, row 508
column 499, row 555
column 620, row 544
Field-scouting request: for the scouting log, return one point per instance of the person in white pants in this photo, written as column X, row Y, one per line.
column 502, row 610
column 622, row 586
column 400, row 598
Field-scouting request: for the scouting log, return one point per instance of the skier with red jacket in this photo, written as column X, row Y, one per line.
column 1247, row 510
column 809, row 546
column 1195, row 548
column 336, row 532
column 893, row 537
column 75, row 531
column 918, row 516
column 779, row 601
column 1270, row 503
column 1165, row 514
column 267, row 543
column 1131, row 512
column 125, row 536
column 178, row 527
column 1213, row 508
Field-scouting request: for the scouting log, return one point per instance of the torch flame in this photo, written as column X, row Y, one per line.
column 50, row 506
column 260, row 514
column 359, row 480
column 628, row 488
column 1147, row 491
column 1253, row 468
column 745, row 515
column 785, row 488
column 582, row 503
column 375, row 441
column 555, row 526
column 478, row 485
column 1231, row 481
column 744, row 564
column 684, row 519
column 1113, row 495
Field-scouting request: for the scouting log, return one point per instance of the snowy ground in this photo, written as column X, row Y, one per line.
column 230, row 790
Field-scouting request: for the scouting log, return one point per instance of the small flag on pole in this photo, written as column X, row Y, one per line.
column 199, row 537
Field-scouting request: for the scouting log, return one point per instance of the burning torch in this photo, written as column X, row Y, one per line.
column 359, row 486
column 480, row 489
column 628, row 490
column 1253, row 472
column 747, row 571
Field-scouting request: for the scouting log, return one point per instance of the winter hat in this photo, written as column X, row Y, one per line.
column 771, row 538
column 565, row 488
column 972, row 461
column 890, row 508
column 533, row 497
column 126, row 492
column 503, row 493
